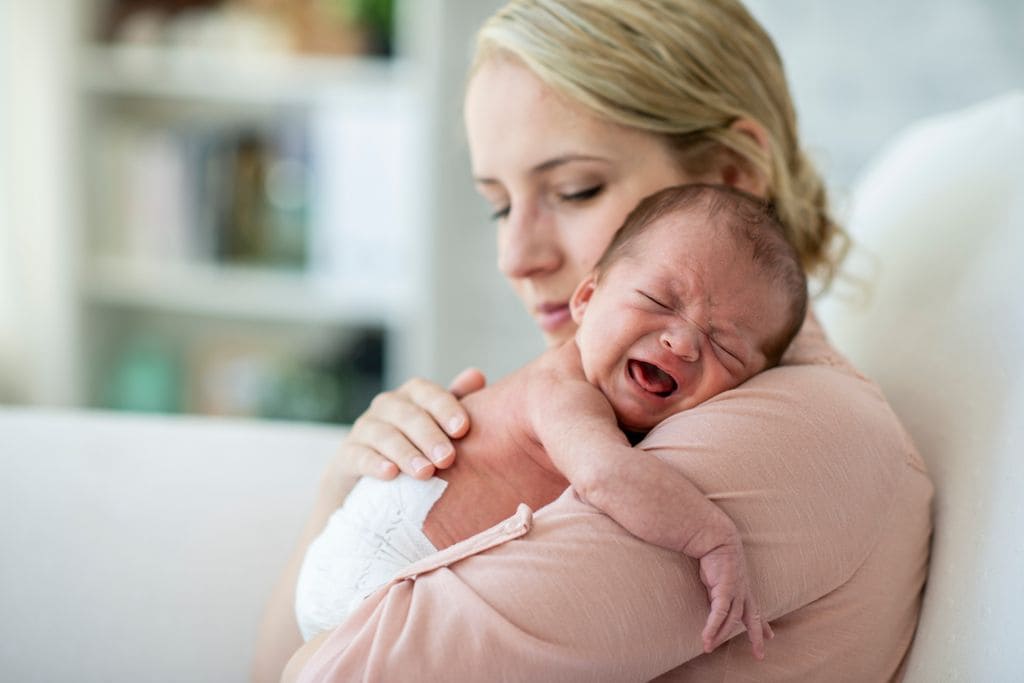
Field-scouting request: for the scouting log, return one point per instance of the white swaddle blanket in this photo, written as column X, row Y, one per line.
column 369, row 539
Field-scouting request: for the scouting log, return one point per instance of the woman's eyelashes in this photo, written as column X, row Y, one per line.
column 502, row 212
column 582, row 195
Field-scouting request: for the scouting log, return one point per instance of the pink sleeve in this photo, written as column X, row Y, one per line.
column 808, row 461
column 574, row 599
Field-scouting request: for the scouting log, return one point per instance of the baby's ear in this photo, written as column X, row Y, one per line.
column 581, row 297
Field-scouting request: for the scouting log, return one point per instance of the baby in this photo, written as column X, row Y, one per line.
column 697, row 292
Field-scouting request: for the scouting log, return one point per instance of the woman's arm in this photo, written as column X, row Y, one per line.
column 278, row 636
column 398, row 433
column 806, row 461
column 650, row 498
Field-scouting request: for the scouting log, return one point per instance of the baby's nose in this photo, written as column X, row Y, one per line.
column 683, row 340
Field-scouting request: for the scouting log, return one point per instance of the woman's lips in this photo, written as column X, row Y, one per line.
column 552, row 316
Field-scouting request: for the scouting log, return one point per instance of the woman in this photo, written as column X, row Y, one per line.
column 575, row 110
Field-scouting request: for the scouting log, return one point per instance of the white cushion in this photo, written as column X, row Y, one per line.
column 941, row 214
column 144, row 548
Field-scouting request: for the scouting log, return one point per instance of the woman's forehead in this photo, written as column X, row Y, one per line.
column 512, row 117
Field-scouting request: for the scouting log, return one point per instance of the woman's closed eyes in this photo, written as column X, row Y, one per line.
column 572, row 197
column 582, row 195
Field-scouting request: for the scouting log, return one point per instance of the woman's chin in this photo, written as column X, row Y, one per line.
column 560, row 335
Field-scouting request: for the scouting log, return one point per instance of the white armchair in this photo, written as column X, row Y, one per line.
column 942, row 210
column 144, row 548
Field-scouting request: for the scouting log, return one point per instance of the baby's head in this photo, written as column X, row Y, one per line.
column 697, row 292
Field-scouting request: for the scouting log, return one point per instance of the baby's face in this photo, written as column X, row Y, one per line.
column 683, row 316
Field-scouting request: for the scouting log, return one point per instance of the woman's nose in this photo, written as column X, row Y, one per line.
column 528, row 246
column 683, row 340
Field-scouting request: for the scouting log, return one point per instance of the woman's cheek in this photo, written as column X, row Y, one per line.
column 590, row 239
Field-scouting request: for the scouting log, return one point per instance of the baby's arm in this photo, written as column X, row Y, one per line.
column 649, row 498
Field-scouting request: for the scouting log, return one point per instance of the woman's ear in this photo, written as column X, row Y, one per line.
column 581, row 297
column 737, row 172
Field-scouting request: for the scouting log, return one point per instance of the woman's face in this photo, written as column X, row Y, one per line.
column 560, row 182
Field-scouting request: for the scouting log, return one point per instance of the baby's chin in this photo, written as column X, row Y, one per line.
column 637, row 422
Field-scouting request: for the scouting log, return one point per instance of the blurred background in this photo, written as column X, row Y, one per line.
column 263, row 208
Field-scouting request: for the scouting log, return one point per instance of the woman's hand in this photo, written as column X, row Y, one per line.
column 409, row 429
column 401, row 429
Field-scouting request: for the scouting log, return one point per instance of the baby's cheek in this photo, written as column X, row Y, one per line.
column 590, row 357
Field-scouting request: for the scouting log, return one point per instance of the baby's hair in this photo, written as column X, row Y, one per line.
column 750, row 221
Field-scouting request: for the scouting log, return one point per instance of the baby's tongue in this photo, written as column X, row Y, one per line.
column 651, row 377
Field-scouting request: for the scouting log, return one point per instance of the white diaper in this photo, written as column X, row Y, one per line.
column 369, row 539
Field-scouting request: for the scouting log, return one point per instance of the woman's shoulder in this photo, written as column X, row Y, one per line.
column 812, row 431
column 814, row 402
column 805, row 457
column 825, row 397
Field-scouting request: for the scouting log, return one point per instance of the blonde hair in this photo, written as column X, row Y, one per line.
column 685, row 70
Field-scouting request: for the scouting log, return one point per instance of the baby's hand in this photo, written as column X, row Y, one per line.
column 724, row 573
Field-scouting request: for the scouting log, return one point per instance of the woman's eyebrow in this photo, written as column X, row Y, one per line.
column 547, row 166
column 564, row 159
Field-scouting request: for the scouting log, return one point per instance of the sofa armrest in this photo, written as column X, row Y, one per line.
column 144, row 548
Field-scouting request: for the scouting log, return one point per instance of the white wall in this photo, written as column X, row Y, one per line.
column 476, row 317
column 861, row 71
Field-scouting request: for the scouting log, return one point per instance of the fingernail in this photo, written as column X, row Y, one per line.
column 440, row 453
column 455, row 424
column 420, row 463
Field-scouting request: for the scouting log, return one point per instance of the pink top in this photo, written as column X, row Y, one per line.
column 808, row 459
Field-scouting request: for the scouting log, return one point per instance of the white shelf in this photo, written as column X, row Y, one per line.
column 233, row 76
column 237, row 292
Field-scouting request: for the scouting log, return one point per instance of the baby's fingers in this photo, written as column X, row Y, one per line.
column 725, row 632
column 716, row 618
column 756, row 628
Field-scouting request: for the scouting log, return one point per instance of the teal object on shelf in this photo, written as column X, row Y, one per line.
column 146, row 377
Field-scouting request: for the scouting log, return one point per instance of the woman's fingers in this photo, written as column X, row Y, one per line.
column 466, row 382
column 417, row 426
column 388, row 442
column 370, row 463
column 426, row 414
column 442, row 406
column 411, row 428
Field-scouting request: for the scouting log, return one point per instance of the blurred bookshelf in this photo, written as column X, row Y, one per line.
column 251, row 234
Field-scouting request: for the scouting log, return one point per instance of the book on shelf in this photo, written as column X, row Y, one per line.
column 196, row 191
column 339, row 27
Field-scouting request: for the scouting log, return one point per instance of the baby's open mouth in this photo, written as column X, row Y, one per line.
column 652, row 378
